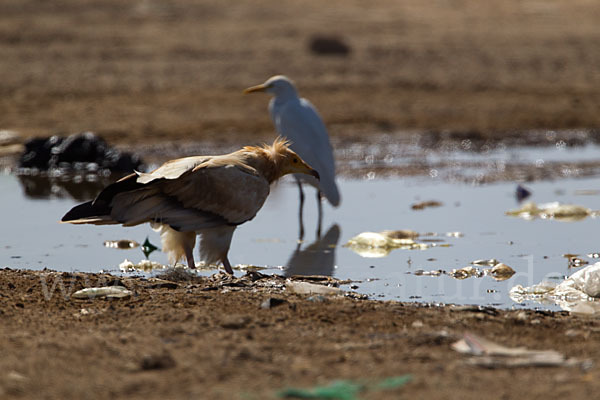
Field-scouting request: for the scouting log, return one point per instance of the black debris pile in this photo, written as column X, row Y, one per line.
column 81, row 151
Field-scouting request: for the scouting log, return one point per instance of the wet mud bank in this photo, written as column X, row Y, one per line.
column 215, row 337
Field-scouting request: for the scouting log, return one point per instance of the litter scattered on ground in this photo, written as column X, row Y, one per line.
column 499, row 272
column 272, row 302
column 493, row 355
column 554, row 210
column 123, row 244
column 109, row 292
column 345, row 389
column 380, row 244
column 579, row 293
column 144, row 265
column 311, row 288
column 425, row 204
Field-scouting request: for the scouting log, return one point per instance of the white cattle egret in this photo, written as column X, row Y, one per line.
column 202, row 195
column 298, row 120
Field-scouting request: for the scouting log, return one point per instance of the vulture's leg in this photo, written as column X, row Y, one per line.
column 227, row 266
column 320, row 219
column 300, row 219
column 189, row 254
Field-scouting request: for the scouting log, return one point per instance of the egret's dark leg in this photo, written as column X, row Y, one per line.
column 189, row 254
column 320, row 220
column 300, row 211
column 227, row 266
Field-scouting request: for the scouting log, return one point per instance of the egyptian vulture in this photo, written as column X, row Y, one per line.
column 207, row 196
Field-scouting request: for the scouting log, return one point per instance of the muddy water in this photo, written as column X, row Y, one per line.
column 32, row 237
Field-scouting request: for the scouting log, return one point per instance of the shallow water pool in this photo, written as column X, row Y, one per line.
column 33, row 238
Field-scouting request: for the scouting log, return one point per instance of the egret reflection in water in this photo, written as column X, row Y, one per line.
column 318, row 258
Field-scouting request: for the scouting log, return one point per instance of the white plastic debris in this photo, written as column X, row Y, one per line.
column 493, row 355
column 586, row 280
column 143, row 265
column 311, row 288
column 123, row 244
column 578, row 293
column 109, row 292
column 379, row 244
column 501, row 272
column 463, row 273
column 555, row 210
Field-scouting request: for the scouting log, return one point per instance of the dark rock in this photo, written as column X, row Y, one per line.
column 272, row 302
column 235, row 321
column 329, row 45
column 157, row 361
column 522, row 193
column 75, row 152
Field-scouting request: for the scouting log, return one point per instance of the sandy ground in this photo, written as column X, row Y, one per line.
column 149, row 70
column 210, row 338
column 171, row 74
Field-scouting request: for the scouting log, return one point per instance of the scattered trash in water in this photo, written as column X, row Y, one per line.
column 522, row 193
column 499, row 272
column 465, row 272
column 421, row 272
column 493, row 355
column 144, row 265
column 148, row 248
column 124, row 244
column 579, row 293
column 491, row 262
column 425, row 204
column 109, row 292
column 345, row 389
column 455, row 234
column 555, row 210
column 576, row 262
column 401, row 234
column 379, row 244
column 587, row 192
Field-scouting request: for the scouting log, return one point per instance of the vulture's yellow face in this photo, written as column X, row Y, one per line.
column 291, row 163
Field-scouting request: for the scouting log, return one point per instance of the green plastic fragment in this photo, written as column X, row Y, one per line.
column 345, row 389
column 393, row 382
column 338, row 390
column 148, row 248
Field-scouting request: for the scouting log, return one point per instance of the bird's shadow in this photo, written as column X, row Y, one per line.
column 318, row 258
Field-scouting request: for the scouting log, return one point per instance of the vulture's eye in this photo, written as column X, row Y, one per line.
column 295, row 160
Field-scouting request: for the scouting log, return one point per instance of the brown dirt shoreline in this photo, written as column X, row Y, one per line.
column 209, row 338
column 149, row 71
